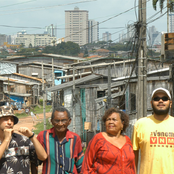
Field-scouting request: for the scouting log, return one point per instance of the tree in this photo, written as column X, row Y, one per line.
column 22, row 45
column 170, row 4
column 30, row 45
column 64, row 48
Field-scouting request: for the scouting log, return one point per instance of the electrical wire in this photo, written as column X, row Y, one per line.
column 43, row 8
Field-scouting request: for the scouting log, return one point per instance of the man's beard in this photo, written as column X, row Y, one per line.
column 160, row 112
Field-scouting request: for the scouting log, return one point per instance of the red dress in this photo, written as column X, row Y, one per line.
column 102, row 157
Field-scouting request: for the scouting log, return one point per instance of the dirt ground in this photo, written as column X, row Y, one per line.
column 28, row 122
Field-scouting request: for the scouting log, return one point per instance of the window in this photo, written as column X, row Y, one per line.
column 100, row 94
column 58, row 74
column 133, row 102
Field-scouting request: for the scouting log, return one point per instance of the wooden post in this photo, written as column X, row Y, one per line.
column 109, row 86
column 53, row 94
column 73, row 101
column 43, row 94
column 142, row 63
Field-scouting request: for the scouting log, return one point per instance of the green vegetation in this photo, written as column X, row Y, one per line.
column 41, row 101
column 40, row 127
column 170, row 4
column 35, row 110
column 39, row 109
column 65, row 48
column 28, row 51
column 3, row 53
column 119, row 47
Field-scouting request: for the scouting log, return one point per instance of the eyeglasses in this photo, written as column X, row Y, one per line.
column 62, row 121
column 113, row 119
column 163, row 98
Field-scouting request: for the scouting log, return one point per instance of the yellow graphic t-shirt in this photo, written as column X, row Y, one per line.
column 155, row 139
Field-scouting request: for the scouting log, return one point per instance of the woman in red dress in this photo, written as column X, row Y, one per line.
column 110, row 152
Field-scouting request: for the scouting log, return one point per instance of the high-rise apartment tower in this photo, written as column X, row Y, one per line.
column 171, row 23
column 76, row 26
column 93, row 31
column 106, row 36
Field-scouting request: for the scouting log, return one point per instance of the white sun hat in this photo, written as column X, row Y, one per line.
column 161, row 90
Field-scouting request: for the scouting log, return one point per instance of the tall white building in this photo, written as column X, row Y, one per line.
column 93, row 31
column 130, row 31
column 35, row 40
column 51, row 30
column 76, row 26
column 106, row 36
column 154, row 36
column 171, row 23
column 151, row 32
column 3, row 38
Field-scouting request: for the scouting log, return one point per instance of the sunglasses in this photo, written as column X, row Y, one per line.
column 163, row 98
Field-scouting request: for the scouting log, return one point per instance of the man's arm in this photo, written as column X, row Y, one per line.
column 136, row 152
column 40, row 151
column 6, row 141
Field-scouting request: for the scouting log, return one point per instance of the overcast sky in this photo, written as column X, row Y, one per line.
column 28, row 14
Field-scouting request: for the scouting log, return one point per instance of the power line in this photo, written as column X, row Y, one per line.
column 43, row 8
column 17, row 4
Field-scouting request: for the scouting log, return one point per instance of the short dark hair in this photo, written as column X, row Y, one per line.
column 123, row 116
column 61, row 109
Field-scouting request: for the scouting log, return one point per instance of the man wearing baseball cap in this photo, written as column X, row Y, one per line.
column 17, row 151
column 154, row 136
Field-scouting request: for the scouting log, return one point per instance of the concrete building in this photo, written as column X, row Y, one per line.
column 3, row 38
column 151, row 31
column 76, row 26
column 106, row 36
column 154, row 36
column 130, row 31
column 51, row 30
column 22, row 32
column 93, row 31
column 171, row 23
column 35, row 40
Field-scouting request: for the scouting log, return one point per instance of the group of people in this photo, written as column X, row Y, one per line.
column 109, row 152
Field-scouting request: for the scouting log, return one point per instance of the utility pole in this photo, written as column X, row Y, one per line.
column 43, row 94
column 52, row 95
column 73, row 102
column 172, row 78
column 9, row 92
column 109, row 86
column 168, row 9
column 142, row 63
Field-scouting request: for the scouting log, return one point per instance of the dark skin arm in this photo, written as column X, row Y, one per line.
column 34, row 169
column 136, row 152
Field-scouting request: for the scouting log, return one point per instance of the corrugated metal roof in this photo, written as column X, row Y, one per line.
column 96, row 59
column 62, row 56
column 148, row 73
column 101, row 64
column 158, row 70
column 113, row 84
column 69, row 76
column 30, row 77
column 12, row 80
column 17, row 94
column 46, row 55
column 40, row 63
column 4, row 61
column 77, row 82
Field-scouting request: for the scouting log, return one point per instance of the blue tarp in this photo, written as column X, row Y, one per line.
column 18, row 101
